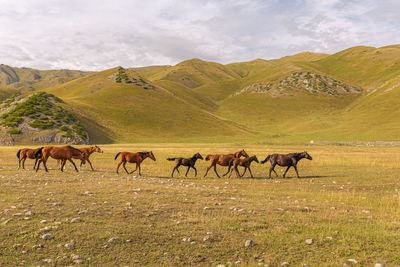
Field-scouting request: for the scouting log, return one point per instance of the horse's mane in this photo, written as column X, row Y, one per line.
column 75, row 149
column 144, row 153
column 194, row 156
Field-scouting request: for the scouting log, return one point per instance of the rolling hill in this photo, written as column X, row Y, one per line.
column 352, row 95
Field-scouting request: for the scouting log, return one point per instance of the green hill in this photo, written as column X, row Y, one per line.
column 27, row 79
column 352, row 95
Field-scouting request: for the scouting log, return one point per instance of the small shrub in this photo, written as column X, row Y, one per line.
column 41, row 124
column 14, row 131
column 64, row 128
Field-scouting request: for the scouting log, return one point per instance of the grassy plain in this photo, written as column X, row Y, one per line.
column 347, row 202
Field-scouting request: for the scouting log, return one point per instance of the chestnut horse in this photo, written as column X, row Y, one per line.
column 223, row 160
column 189, row 162
column 288, row 160
column 244, row 163
column 88, row 151
column 62, row 153
column 25, row 153
column 133, row 158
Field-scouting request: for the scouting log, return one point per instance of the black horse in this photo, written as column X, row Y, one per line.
column 189, row 162
column 288, row 160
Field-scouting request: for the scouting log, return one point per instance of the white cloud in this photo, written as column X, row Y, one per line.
column 99, row 34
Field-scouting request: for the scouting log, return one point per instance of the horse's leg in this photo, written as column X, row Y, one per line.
column 137, row 167
column 44, row 164
column 251, row 173
column 63, row 162
column 140, row 174
column 245, row 169
column 215, row 170
column 187, row 171
column 123, row 165
column 23, row 163
column 208, row 168
column 89, row 163
column 195, row 171
column 229, row 168
column 284, row 174
column 119, row 164
column 173, row 170
column 237, row 171
column 230, row 173
column 295, row 168
column 37, row 168
column 36, row 160
column 73, row 163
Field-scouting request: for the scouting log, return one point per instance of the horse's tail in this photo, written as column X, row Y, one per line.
column 266, row 159
column 208, row 157
column 116, row 156
column 19, row 152
column 37, row 153
column 171, row 159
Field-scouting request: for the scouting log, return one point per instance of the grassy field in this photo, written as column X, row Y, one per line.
column 347, row 202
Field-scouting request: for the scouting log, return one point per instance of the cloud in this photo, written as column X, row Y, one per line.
column 99, row 34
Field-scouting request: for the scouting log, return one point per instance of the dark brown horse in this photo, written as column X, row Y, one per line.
column 189, row 162
column 62, row 153
column 133, row 158
column 25, row 153
column 288, row 160
column 223, row 160
column 245, row 162
column 88, row 151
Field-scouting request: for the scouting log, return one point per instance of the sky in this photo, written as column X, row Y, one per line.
column 101, row 34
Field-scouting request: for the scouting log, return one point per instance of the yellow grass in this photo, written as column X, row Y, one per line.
column 347, row 202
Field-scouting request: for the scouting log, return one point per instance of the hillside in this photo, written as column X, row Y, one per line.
column 39, row 118
column 352, row 95
column 27, row 79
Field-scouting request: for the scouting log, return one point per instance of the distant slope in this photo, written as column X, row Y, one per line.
column 28, row 79
column 127, row 112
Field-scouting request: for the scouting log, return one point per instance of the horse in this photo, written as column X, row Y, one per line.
column 88, row 151
column 288, row 160
column 63, row 153
column 245, row 162
column 189, row 162
column 25, row 153
column 223, row 160
column 133, row 158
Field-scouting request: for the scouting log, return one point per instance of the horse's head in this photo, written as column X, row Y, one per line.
column 98, row 149
column 242, row 153
column 197, row 156
column 254, row 158
column 151, row 155
column 306, row 155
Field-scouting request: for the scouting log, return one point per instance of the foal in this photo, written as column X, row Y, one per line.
column 88, row 151
column 223, row 160
column 133, row 158
column 245, row 162
column 189, row 162
column 25, row 153
column 288, row 160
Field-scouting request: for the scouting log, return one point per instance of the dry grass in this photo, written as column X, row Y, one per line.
column 347, row 202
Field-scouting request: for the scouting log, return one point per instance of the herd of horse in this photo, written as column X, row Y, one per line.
column 66, row 153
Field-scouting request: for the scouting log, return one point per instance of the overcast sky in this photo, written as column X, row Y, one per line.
column 100, row 34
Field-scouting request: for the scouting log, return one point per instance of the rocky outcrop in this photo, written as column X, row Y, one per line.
column 301, row 81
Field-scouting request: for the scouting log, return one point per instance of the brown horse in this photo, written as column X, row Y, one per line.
column 25, row 153
column 223, row 160
column 133, row 158
column 246, row 162
column 288, row 160
column 88, row 151
column 189, row 162
column 63, row 153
